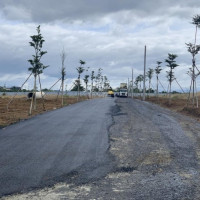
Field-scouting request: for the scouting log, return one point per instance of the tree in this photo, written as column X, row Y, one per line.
column 171, row 63
column 194, row 50
column 92, row 82
column 86, row 82
column 136, row 84
column 139, row 80
column 80, row 70
column 149, row 76
column 106, row 83
column 36, row 66
column 196, row 22
column 77, row 86
column 99, row 80
column 157, row 71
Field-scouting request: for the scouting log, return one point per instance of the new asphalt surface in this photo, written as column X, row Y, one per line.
column 54, row 146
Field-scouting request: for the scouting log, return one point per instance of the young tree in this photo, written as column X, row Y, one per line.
column 92, row 82
column 86, row 82
column 36, row 66
column 80, row 70
column 157, row 71
column 196, row 22
column 171, row 63
column 149, row 76
column 77, row 86
column 136, row 84
column 99, row 79
column 106, row 83
column 194, row 50
column 139, row 80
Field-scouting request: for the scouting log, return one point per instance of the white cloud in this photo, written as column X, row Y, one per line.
column 107, row 35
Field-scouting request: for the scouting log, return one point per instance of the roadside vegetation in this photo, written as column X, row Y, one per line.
column 18, row 107
column 186, row 102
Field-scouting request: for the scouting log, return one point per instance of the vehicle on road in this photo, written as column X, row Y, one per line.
column 123, row 91
column 110, row 93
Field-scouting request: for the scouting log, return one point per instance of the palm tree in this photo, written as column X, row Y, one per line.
column 157, row 71
column 171, row 63
column 150, row 75
column 80, row 70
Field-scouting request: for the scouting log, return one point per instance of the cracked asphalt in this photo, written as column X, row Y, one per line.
column 139, row 151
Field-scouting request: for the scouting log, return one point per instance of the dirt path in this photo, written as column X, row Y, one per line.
column 156, row 156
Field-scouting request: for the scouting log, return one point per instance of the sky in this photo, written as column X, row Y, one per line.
column 107, row 34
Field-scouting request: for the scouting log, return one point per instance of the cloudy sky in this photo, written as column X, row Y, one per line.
column 107, row 34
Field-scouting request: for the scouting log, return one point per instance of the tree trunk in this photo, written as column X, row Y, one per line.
column 157, row 88
column 41, row 93
column 91, row 89
column 197, row 100
column 170, row 84
column 62, row 102
column 78, row 90
column 193, row 85
column 195, row 36
column 149, row 86
column 86, row 91
column 34, row 94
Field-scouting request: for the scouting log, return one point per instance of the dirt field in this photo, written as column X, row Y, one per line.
column 19, row 108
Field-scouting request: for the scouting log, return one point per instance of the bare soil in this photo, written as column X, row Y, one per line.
column 178, row 104
column 18, row 109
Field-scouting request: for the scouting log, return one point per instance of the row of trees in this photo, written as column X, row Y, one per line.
column 37, row 68
column 170, row 63
column 99, row 82
column 193, row 72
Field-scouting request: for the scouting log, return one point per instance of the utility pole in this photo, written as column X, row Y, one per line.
column 132, row 85
column 144, row 88
column 128, row 86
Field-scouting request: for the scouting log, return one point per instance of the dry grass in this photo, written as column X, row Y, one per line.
column 19, row 107
column 178, row 104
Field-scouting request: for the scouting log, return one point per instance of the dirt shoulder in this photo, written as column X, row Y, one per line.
column 18, row 109
column 179, row 104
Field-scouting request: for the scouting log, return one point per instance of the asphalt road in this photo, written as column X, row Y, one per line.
column 107, row 148
column 55, row 146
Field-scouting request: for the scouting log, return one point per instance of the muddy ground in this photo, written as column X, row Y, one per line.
column 156, row 156
column 19, row 108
